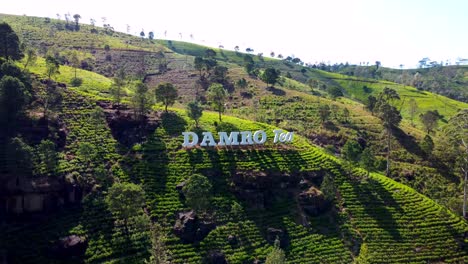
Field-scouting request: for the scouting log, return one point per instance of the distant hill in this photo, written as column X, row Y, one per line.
column 450, row 81
column 322, row 209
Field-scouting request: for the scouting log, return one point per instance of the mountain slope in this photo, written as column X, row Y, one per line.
column 281, row 187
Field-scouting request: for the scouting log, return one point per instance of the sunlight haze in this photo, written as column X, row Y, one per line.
column 393, row 32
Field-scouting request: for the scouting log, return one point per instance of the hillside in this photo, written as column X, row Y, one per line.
column 449, row 81
column 321, row 210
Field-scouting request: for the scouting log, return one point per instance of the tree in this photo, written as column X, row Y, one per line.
column 142, row 34
column 249, row 64
column 77, row 20
column 197, row 191
column 9, row 43
column 166, row 93
column 270, row 76
column 47, row 156
column 351, row 151
column 242, row 83
column 217, row 96
column 86, row 152
column 19, row 157
column 194, row 111
column 276, row 255
column 345, row 115
column 272, row 54
column 371, row 102
column 118, row 83
column 141, row 101
column 151, row 35
column 389, row 115
column 457, row 133
column 31, row 57
column 13, row 100
column 324, row 112
column 74, row 59
column 334, row 91
column 367, row 160
column 51, row 98
column 125, row 200
column 219, row 74
column 52, row 67
column 429, row 120
column 159, row 251
column 427, row 145
column 413, row 109
column 237, row 211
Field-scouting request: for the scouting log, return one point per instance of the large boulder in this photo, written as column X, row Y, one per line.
column 216, row 257
column 273, row 233
column 189, row 228
column 313, row 201
column 69, row 246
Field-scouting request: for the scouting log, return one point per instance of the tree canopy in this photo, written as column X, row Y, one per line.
column 9, row 43
column 166, row 93
column 194, row 111
column 270, row 76
column 217, row 95
column 197, row 191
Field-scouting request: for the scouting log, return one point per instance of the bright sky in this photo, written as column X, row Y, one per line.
column 392, row 31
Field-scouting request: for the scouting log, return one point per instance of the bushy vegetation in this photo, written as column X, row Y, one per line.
column 131, row 198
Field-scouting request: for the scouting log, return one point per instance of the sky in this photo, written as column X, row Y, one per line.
column 393, row 32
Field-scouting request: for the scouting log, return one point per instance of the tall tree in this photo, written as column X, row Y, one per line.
column 75, row 61
column 52, row 67
column 141, row 100
column 270, row 76
column 9, row 43
column 125, row 200
column 197, row 191
column 166, row 93
column 19, row 157
column 159, row 252
column 48, row 156
column 371, row 102
column 151, row 35
column 276, row 255
column 118, row 83
column 31, row 57
column 367, row 160
column 249, row 64
column 194, row 111
column 457, row 133
column 217, row 95
column 390, row 117
column 13, row 100
column 429, row 120
column 413, row 109
column 77, row 21
column 324, row 112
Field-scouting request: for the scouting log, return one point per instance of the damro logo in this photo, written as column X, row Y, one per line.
column 235, row 138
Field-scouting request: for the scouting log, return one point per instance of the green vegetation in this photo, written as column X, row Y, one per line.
column 130, row 174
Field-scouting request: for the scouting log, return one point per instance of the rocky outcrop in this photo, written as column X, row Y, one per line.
column 125, row 128
column 26, row 195
column 68, row 247
column 215, row 257
column 313, row 201
column 190, row 228
column 273, row 233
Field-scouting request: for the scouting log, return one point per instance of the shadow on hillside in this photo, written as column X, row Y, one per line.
column 379, row 204
column 407, row 141
column 101, row 229
column 276, row 91
column 173, row 124
column 155, row 162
